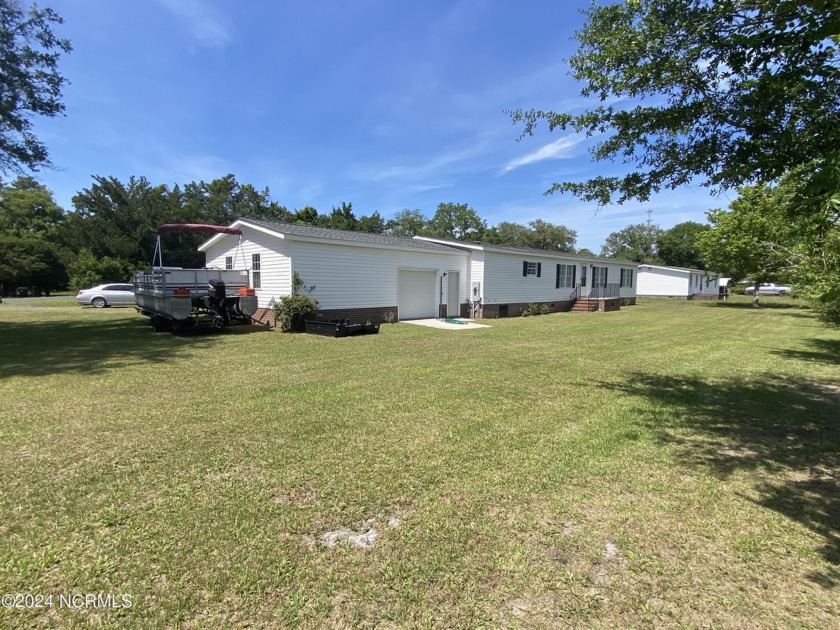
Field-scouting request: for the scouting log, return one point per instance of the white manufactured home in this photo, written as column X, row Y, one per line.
column 505, row 280
column 677, row 282
column 373, row 277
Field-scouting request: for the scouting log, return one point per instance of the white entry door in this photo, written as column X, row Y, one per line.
column 453, row 305
column 417, row 294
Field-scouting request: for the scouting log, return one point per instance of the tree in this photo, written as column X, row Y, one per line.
column 509, row 234
column 730, row 92
column 342, row 218
column 29, row 222
column 88, row 270
column 809, row 199
column 545, row 235
column 28, row 209
column 306, row 216
column 635, row 242
column 30, row 84
column 458, row 221
column 223, row 200
column 374, row 223
column 677, row 247
column 752, row 239
column 408, row 223
column 30, row 262
column 121, row 221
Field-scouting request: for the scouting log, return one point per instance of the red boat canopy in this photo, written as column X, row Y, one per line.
column 196, row 227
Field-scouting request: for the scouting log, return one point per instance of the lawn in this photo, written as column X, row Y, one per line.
column 673, row 463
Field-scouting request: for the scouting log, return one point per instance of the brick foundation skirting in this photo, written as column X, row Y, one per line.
column 374, row 315
column 492, row 311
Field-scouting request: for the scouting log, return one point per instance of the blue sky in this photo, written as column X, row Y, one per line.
column 387, row 104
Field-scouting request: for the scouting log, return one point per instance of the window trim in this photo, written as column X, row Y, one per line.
column 531, row 268
column 563, row 278
column 256, row 271
column 596, row 271
column 228, row 262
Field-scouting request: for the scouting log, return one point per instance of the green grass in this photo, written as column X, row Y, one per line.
column 673, row 463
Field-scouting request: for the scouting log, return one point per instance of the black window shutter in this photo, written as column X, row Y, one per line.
column 557, row 279
column 539, row 269
column 574, row 275
column 524, row 267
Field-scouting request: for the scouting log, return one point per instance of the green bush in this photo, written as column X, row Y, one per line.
column 293, row 310
column 536, row 309
column 88, row 270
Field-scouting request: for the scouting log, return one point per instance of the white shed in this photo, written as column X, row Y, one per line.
column 677, row 282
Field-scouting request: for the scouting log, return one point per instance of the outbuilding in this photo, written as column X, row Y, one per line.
column 677, row 282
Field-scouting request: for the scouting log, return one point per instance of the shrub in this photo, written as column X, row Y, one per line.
column 536, row 309
column 293, row 310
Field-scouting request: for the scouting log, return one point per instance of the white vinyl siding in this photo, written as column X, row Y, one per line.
column 660, row 282
column 348, row 276
column 275, row 263
column 504, row 282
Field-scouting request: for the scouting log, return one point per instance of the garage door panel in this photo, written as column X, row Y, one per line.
column 417, row 294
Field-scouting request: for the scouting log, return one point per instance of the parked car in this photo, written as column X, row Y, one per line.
column 107, row 295
column 769, row 288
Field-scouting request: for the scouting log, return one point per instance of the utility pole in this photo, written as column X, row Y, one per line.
column 649, row 234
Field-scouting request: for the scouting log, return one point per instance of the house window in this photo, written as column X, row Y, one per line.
column 583, row 275
column 599, row 276
column 228, row 262
column 626, row 279
column 256, row 272
column 531, row 268
column 565, row 276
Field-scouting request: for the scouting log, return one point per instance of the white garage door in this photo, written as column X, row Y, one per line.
column 417, row 294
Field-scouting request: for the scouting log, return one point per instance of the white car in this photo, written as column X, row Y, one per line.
column 107, row 295
column 769, row 288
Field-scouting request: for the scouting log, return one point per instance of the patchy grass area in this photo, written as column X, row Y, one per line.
column 674, row 463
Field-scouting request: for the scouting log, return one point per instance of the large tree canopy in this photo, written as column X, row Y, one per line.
column 753, row 239
column 677, row 246
column 635, row 242
column 727, row 91
column 30, row 84
column 29, row 226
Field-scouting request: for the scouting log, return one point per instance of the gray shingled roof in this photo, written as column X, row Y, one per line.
column 536, row 252
column 346, row 235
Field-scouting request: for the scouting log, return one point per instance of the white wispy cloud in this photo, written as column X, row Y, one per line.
column 203, row 21
column 557, row 150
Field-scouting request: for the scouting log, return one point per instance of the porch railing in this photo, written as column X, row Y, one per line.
column 604, row 291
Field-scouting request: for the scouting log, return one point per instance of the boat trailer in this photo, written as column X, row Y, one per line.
column 177, row 299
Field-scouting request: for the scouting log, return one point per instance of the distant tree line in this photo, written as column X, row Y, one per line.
column 648, row 243
column 112, row 227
